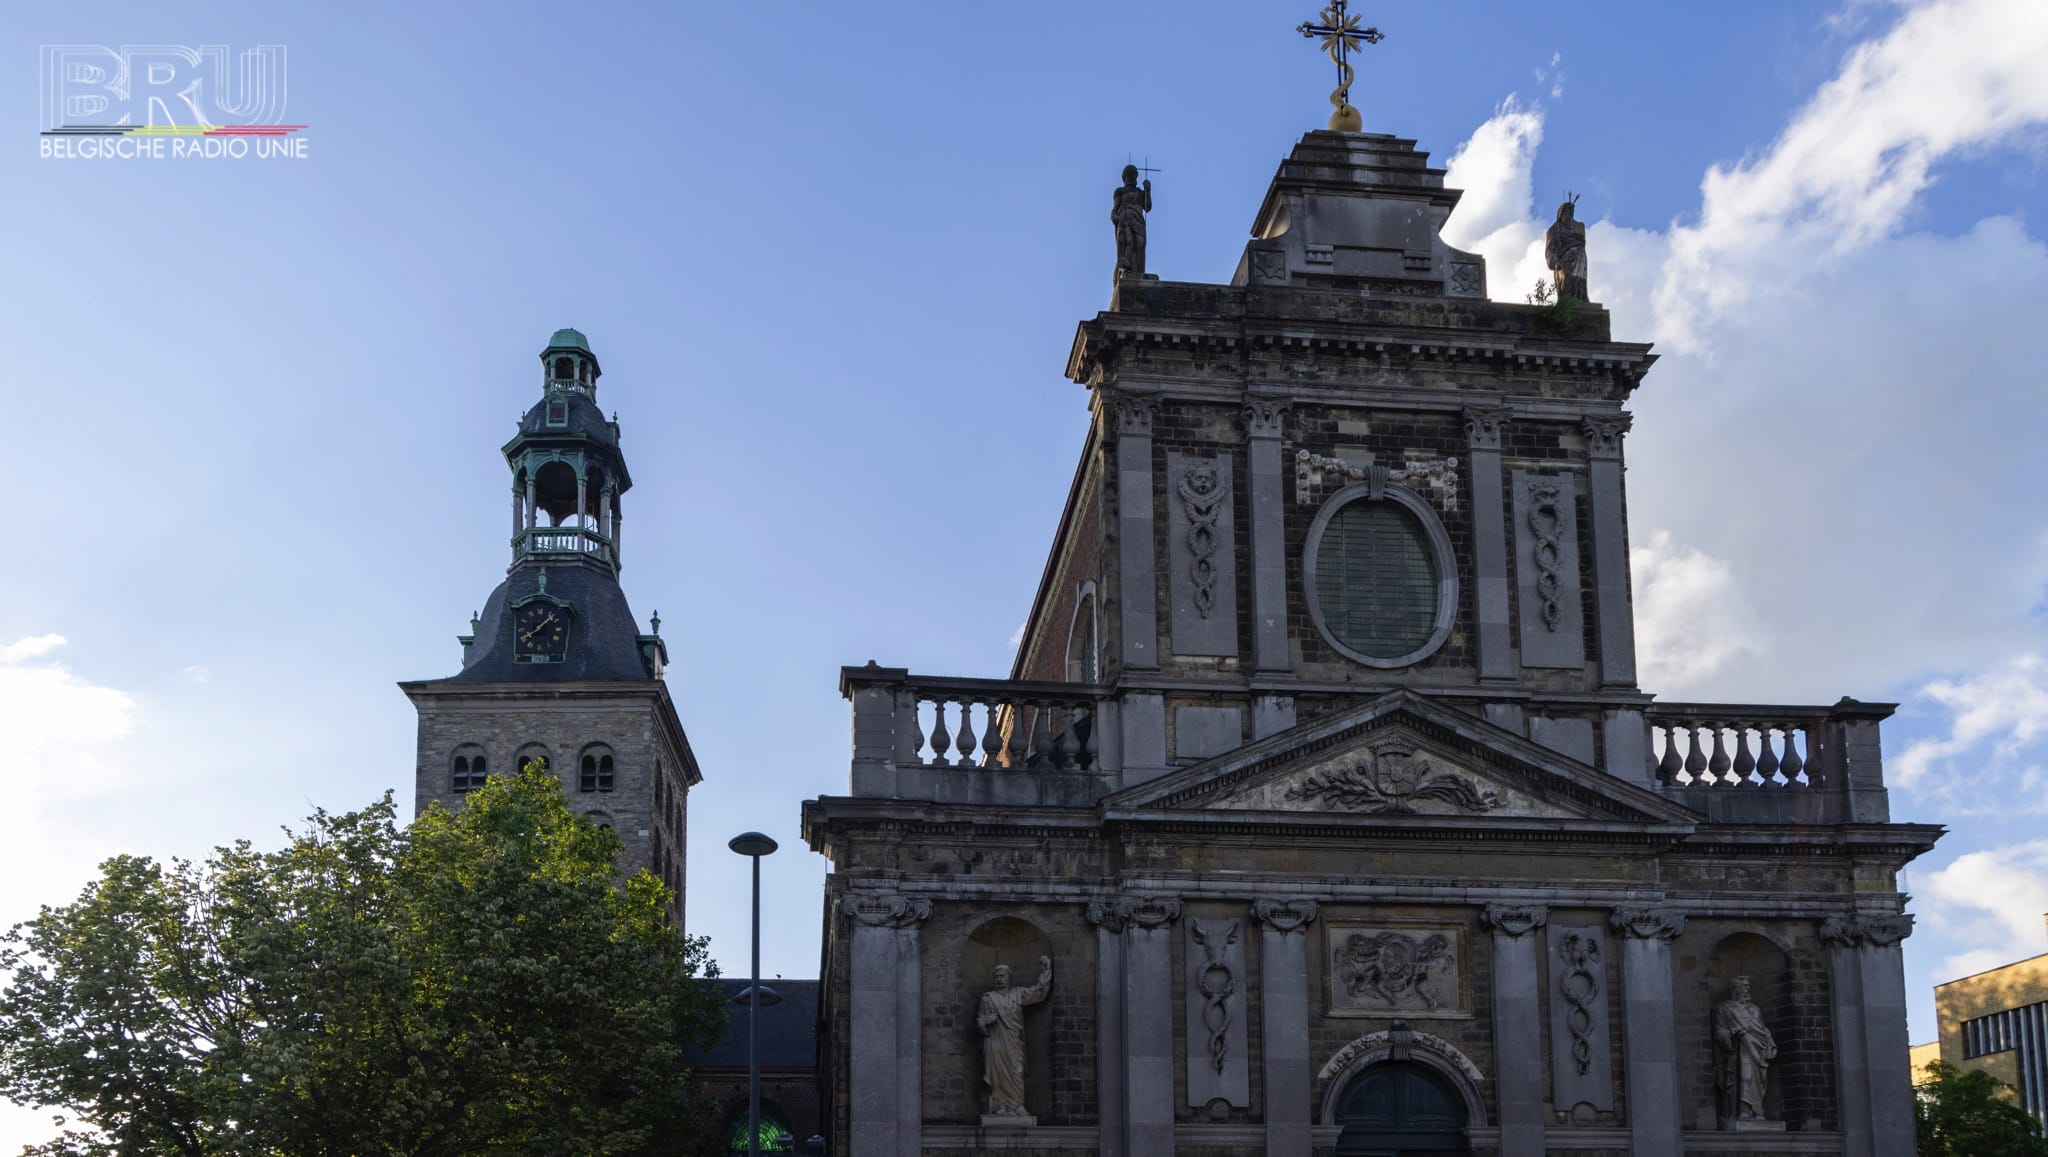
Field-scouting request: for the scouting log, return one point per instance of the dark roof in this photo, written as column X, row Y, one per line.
column 788, row 1030
column 585, row 421
column 569, row 339
column 604, row 639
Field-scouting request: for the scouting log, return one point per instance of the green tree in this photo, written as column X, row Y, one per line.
column 480, row 981
column 1968, row 1113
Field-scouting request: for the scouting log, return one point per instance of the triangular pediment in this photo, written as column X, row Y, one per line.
column 1403, row 757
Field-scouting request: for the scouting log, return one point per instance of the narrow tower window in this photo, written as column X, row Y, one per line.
column 596, row 773
column 470, row 770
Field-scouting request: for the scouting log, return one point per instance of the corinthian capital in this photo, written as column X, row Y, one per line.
column 1285, row 916
column 885, row 909
column 1482, row 426
column 1514, row 920
column 1603, row 433
column 1648, row 923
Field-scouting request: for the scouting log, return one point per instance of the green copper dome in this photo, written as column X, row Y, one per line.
column 569, row 339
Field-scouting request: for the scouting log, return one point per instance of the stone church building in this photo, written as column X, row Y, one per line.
column 1322, row 811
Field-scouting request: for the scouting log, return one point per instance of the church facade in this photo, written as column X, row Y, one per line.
column 1322, row 811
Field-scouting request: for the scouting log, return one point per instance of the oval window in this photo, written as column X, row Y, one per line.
column 1376, row 582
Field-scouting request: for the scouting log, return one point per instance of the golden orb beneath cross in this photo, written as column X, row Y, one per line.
column 1346, row 119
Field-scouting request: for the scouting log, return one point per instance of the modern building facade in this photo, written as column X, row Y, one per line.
column 1322, row 811
column 1997, row 1021
column 555, row 667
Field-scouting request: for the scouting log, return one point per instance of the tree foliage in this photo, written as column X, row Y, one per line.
column 1968, row 1113
column 479, row 982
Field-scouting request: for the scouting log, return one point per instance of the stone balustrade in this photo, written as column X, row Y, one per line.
column 1745, row 762
column 1736, row 746
column 952, row 739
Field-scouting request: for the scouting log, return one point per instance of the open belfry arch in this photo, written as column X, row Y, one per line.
column 1349, row 829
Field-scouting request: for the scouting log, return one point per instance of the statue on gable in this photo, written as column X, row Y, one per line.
column 1564, row 250
column 1001, row 1019
column 1744, row 1050
column 1127, row 209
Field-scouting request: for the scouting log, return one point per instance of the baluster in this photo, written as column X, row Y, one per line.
column 1091, row 751
column 1767, row 767
column 1015, row 756
column 1792, row 765
column 940, row 739
column 992, row 736
column 1669, row 766
column 1718, row 764
column 1695, row 759
column 1041, row 736
column 916, row 730
column 1744, row 761
column 965, row 740
column 1068, row 747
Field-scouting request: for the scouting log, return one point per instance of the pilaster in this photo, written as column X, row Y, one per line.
column 1518, row 1025
column 1489, row 542
column 1137, row 561
column 1283, row 995
column 1650, row 1028
column 885, row 1006
column 1872, row 1072
column 1148, row 1024
column 1265, row 462
column 1111, row 1076
column 1615, row 617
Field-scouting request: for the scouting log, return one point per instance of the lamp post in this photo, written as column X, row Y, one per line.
column 754, row 845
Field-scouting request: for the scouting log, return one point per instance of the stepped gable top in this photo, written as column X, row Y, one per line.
column 1359, row 211
column 1404, row 757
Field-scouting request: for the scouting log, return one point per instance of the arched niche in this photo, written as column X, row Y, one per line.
column 1017, row 943
column 1771, row 988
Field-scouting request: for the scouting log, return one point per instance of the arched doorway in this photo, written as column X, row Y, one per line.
column 1399, row 1108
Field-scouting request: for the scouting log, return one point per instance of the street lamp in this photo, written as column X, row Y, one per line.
column 754, row 845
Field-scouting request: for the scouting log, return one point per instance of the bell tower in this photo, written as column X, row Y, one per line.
column 555, row 666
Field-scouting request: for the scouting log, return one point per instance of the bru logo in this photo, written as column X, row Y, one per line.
column 166, row 87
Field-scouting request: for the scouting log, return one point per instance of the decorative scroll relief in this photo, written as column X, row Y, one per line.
column 1218, row 1055
column 1546, row 524
column 1648, row 923
column 1579, row 971
column 1376, row 970
column 1514, row 920
column 1482, row 426
column 1438, row 475
column 1395, row 776
column 1581, row 1060
column 1394, row 1044
column 1203, row 488
column 1264, row 419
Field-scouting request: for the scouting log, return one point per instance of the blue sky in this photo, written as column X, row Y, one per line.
column 832, row 257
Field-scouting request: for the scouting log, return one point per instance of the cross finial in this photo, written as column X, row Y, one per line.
column 1341, row 37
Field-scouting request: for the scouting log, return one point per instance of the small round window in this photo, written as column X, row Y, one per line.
column 1379, row 577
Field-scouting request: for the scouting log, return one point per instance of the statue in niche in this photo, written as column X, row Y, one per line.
column 1744, row 1050
column 1002, row 1027
column 1127, row 209
column 1564, row 250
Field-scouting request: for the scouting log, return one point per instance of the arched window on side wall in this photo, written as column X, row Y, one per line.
column 1082, row 648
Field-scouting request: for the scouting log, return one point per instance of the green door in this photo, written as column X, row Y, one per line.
column 1400, row 1108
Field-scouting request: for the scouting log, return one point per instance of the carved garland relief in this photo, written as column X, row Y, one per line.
column 1438, row 475
column 1391, row 781
column 1546, row 523
column 1378, row 970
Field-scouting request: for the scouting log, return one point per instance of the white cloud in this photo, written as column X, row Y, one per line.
column 1833, row 462
column 1993, row 899
column 1692, row 621
column 1994, row 719
column 56, row 724
column 1950, row 75
column 195, row 673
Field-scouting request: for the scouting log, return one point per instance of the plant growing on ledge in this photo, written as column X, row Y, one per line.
column 1556, row 311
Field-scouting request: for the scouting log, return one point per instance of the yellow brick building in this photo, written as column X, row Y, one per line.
column 1996, row 1021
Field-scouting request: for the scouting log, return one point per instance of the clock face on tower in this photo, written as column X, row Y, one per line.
column 540, row 633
